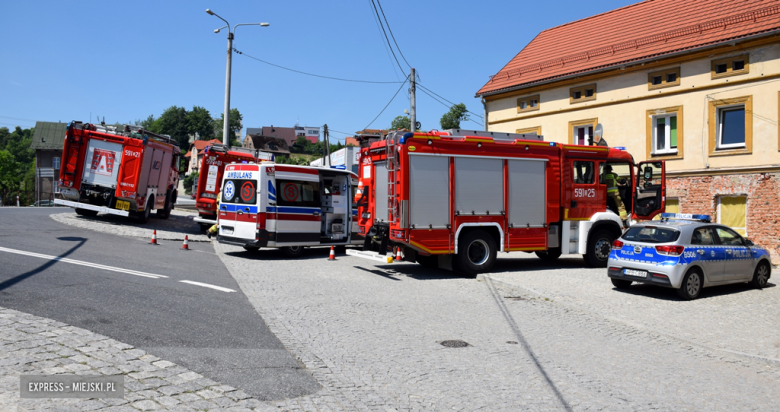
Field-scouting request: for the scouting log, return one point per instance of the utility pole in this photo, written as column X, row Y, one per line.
column 413, row 108
column 226, row 117
column 326, row 137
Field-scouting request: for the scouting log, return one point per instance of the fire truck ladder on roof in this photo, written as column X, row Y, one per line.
column 391, row 154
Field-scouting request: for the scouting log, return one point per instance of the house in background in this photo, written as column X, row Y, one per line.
column 289, row 134
column 195, row 155
column 693, row 83
column 47, row 141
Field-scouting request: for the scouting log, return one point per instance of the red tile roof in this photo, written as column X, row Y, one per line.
column 201, row 144
column 648, row 29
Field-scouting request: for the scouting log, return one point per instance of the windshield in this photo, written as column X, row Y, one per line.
column 651, row 234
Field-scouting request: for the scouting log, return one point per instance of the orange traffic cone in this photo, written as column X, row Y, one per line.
column 398, row 254
column 332, row 254
column 186, row 245
column 154, row 238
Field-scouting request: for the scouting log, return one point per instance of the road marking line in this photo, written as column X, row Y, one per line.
column 82, row 263
column 206, row 285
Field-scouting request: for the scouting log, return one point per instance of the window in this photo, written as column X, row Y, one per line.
column 529, row 130
column 297, row 193
column 702, row 236
column 581, row 131
column 672, row 206
column 732, row 212
column 583, row 172
column 528, row 104
column 651, row 234
column 55, row 163
column 582, row 93
column 55, row 187
column 665, row 134
column 731, row 126
column 729, row 237
column 664, row 78
column 239, row 191
column 730, row 66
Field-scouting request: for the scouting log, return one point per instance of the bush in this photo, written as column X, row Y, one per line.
column 189, row 181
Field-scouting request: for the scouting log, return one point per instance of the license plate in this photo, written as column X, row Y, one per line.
column 123, row 205
column 227, row 230
column 637, row 273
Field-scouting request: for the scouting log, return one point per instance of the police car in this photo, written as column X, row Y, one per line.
column 687, row 253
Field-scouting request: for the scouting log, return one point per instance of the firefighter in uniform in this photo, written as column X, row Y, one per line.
column 613, row 180
column 213, row 229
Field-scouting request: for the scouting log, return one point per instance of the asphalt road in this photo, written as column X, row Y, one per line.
column 210, row 331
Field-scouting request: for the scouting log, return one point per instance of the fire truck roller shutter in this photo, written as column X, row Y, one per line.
column 101, row 167
column 380, row 202
column 429, row 191
column 146, row 167
column 527, row 201
column 479, row 186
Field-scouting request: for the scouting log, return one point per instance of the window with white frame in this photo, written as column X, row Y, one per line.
column 665, row 133
column 583, row 135
column 730, row 132
column 55, row 163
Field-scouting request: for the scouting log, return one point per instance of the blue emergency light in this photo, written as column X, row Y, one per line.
column 339, row 167
column 621, row 148
column 552, row 143
column 686, row 216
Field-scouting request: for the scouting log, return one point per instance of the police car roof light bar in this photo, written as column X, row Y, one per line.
column 686, row 216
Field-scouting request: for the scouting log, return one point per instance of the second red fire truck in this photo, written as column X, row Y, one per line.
column 454, row 199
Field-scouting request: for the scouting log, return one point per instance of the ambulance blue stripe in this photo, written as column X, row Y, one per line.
column 228, row 207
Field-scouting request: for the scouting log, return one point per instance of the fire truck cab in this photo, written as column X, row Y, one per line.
column 285, row 206
column 453, row 199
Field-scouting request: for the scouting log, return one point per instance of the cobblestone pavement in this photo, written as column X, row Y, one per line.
column 733, row 318
column 371, row 336
column 32, row 345
column 178, row 225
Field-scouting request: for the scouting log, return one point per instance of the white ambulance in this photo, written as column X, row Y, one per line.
column 288, row 207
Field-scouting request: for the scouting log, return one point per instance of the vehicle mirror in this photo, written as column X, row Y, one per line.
column 749, row 242
column 648, row 173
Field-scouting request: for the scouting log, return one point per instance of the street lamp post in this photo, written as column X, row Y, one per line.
column 231, row 32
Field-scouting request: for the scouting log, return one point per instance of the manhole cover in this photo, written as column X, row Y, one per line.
column 454, row 344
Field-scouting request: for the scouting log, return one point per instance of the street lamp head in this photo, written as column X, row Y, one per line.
column 209, row 12
column 216, row 31
column 264, row 24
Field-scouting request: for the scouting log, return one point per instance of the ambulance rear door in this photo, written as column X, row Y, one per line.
column 298, row 206
column 238, row 208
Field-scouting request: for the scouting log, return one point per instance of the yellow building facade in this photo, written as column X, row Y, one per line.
column 711, row 114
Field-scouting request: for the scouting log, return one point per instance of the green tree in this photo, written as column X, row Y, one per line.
column 199, row 121
column 149, row 124
column 189, row 181
column 234, row 127
column 18, row 144
column 302, row 145
column 401, row 122
column 173, row 122
column 4, row 136
column 452, row 119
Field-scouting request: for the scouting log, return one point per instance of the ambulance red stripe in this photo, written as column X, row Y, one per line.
column 280, row 168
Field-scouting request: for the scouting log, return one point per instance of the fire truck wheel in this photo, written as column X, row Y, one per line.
column 430, row 262
column 165, row 212
column 476, row 253
column 599, row 246
column 549, row 255
column 143, row 217
column 292, row 251
column 86, row 212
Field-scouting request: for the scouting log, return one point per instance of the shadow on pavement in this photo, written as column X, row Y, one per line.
column 16, row 279
column 659, row 292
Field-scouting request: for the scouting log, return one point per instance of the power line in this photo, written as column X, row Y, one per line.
column 447, row 100
column 392, row 35
column 311, row 74
column 387, row 51
column 388, row 103
column 18, row 118
column 385, row 33
column 445, row 105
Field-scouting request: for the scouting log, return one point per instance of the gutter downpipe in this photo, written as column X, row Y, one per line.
column 485, row 110
column 626, row 64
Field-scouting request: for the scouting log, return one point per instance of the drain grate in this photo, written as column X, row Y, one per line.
column 454, row 344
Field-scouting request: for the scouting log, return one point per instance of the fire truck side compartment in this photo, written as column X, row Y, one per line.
column 380, row 173
column 429, row 191
column 479, row 186
column 527, row 194
column 108, row 181
column 145, row 166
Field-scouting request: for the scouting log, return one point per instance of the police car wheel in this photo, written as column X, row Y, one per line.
column 476, row 253
column 292, row 251
column 620, row 283
column 760, row 276
column 691, row 285
column 599, row 246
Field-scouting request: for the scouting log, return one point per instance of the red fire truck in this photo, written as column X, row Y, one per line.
column 118, row 170
column 212, row 167
column 453, row 199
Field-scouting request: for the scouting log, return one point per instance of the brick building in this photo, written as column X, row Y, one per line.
column 698, row 88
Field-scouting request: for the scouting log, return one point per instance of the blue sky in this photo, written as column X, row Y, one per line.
column 63, row 60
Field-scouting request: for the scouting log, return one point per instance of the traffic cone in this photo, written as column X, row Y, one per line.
column 398, row 254
column 332, row 254
column 186, row 245
column 154, row 238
